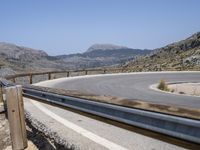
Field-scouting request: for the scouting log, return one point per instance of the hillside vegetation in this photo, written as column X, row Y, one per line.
column 182, row 55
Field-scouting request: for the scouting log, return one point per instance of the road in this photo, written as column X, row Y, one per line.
column 132, row 86
column 84, row 132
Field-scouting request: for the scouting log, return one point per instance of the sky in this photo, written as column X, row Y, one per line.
column 72, row 26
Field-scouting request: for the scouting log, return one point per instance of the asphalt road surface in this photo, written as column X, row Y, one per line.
column 132, row 86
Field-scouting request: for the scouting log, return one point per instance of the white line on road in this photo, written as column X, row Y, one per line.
column 97, row 139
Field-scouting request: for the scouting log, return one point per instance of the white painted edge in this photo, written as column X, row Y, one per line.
column 154, row 87
column 59, row 80
column 97, row 139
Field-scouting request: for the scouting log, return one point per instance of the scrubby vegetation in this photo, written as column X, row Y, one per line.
column 163, row 86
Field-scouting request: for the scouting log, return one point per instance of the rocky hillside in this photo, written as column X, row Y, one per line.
column 182, row 55
column 18, row 52
column 18, row 58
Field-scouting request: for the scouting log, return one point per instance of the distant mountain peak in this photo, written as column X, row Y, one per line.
column 104, row 47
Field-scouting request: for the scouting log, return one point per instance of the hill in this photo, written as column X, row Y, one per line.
column 20, row 59
column 99, row 55
column 105, row 47
column 182, row 55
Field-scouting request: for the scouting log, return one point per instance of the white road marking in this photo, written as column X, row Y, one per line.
column 97, row 139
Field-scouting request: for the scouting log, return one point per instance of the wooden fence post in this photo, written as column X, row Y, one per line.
column 16, row 117
column 68, row 74
column 86, row 72
column 49, row 76
column 1, row 94
column 31, row 78
column 104, row 71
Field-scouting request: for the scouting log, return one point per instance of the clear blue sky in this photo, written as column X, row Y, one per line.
column 70, row 26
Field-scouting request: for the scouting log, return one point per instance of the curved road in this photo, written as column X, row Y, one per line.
column 83, row 132
column 132, row 86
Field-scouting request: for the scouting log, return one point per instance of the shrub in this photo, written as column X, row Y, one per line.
column 163, row 86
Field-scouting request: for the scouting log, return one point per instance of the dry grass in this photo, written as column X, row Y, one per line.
column 163, row 86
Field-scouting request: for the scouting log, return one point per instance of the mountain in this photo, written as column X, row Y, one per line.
column 19, row 58
column 180, row 55
column 103, row 47
column 99, row 55
column 19, row 52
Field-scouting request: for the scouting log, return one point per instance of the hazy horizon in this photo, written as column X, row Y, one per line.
column 66, row 27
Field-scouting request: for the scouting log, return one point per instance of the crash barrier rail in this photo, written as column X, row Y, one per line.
column 183, row 128
column 176, row 126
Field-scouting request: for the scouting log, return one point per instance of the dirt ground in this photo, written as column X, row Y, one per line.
column 4, row 132
column 186, row 88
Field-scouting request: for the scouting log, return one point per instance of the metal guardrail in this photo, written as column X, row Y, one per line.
column 179, row 127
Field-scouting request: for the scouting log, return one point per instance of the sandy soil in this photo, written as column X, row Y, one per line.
column 186, row 88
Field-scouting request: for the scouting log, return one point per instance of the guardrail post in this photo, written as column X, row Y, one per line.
column 49, row 76
column 86, row 72
column 16, row 117
column 31, row 78
column 104, row 71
